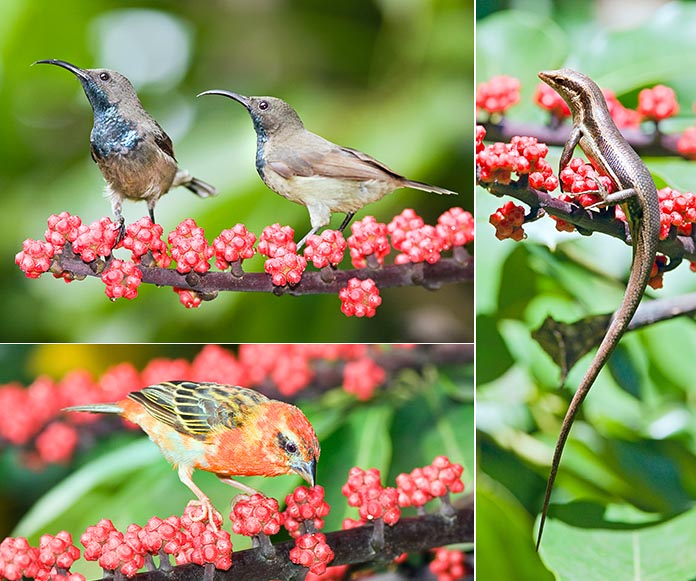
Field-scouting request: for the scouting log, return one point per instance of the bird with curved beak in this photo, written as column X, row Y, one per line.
column 309, row 170
column 133, row 152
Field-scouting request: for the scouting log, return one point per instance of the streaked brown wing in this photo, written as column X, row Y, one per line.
column 196, row 409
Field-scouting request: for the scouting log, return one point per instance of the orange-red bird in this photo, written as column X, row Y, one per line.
column 224, row 429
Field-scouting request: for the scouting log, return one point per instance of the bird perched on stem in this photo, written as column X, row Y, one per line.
column 309, row 170
column 223, row 429
column 134, row 154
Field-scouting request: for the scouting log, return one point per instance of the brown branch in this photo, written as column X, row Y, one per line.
column 676, row 247
column 656, row 144
column 350, row 547
column 458, row 268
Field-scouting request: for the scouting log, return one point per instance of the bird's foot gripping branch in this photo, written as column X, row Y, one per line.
column 73, row 250
column 194, row 542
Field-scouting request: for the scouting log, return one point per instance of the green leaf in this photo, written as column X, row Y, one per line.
column 660, row 551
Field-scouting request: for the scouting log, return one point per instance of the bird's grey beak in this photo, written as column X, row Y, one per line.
column 77, row 71
column 236, row 96
column 308, row 471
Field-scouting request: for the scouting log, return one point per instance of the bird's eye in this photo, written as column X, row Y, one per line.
column 104, row 76
column 263, row 105
column 291, row 448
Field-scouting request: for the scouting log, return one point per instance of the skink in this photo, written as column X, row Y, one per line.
column 595, row 132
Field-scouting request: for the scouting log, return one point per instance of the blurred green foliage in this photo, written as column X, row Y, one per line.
column 388, row 77
column 626, row 478
column 418, row 416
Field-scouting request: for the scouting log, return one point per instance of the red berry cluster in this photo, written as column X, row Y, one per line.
column 508, row 221
column 312, row 551
column 360, row 298
column 362, row 376
column 676, row 209
column 657, row 272
column 285, row 267
column 18, row 559
column 369, row 238
column 62, row 228
column 455, row 227
column 252, row 515
column 122, row 279
column 35, row 257
column 276, row 237
column 327, row 248
column 686, row 145
column 189, row 539
column 424, row 484
column 657, row 103
column 190, row 249
column 581, row 178
column 142, row 237
column 448, row 564
column 480, row 136
column 96, row 240
column 623, row 117
column 498, row 94
column 302, row 506
column 189, row 298
column 523, row 155
column 364, row 490
column 548, row 99
column 233, row 245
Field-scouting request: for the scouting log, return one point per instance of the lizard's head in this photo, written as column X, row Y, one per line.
column 569, row 84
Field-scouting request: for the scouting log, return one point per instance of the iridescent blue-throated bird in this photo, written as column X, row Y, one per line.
column 309, row 170
column 133, row 152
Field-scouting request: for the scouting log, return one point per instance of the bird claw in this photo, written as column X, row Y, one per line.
column 207, row 514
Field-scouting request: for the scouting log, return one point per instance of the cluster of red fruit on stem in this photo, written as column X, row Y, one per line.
column 48, row 435
column 198, row 537
column 191, row 252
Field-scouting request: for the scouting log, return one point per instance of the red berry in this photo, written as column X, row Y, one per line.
column 122, row 280
column 369, row 238
column 233, row 244
column 657, row 103
column 362, row 377
column 311, row 551
column 255, row 514
column 498, row 94
column 35, row 257
column 190, row 299
column 455, row 227
column 62, row 228
column 285, row 267
column 96, row 240
column 305, row 504
column 142, row 237
column 190, row 249
column 56, row 443
column 448, row 564
column 276, row 237
column 328, row 248
column 360, row 298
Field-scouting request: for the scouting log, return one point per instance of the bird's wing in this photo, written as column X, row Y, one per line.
column 163, row 141
column 323, row 158
column 196, row 409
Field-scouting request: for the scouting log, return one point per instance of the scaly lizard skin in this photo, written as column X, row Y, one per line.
column 595, row 132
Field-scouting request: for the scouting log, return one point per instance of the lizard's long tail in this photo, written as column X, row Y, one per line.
column 645, row 248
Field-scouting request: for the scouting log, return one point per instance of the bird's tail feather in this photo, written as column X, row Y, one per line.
column 96, row 408
column 428, row 188
column 199, row 187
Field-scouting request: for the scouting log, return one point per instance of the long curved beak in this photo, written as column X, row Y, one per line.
column 308, row 471
column 236, row 96
column 77, row 71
